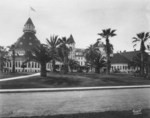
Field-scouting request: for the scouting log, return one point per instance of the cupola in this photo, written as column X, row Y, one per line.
column 29, row 26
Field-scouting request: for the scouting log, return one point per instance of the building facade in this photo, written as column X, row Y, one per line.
column 28, row 41
column 122, row 62
column 79, row 56
column 25, row 43
column 119, row 61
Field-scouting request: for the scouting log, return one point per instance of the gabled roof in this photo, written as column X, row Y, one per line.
column 27, row 41
column 79, row 50
column 130, row 55
column 118, row 58
column 29, row 21
column 71, row 39
column 123, row 57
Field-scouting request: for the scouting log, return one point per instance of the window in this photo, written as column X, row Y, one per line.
column 19, row 64
column 16, row 65
column 32, row 64
column 30, row 43
column 21, row 43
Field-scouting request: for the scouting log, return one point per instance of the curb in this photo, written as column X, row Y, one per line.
column 71, row 89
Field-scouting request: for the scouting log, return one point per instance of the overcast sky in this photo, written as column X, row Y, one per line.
column 84, row 19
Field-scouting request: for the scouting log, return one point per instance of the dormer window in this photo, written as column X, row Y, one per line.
column 30, row 43
column 21, row 43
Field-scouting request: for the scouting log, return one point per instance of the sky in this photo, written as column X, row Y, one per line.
column 84, row 19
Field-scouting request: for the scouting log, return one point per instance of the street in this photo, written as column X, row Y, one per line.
column 50, row 103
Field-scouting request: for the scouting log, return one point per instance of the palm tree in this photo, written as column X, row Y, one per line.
column 136, row 60
column 94, row 57
column 99, row 62
column 73, row 64
column 106, row 33
column 53, row 44
column 111, row 48
column 12, row 48
column 90, row 54
column 41, row 55
column 3, row 57
column 142, row 39
column 63, row 52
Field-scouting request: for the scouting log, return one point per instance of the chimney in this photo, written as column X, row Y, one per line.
column 124, row 50
column 120, row 51
column 134, row 49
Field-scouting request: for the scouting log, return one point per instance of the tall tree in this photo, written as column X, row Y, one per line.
column 99, row 62
column 73, row 64
column 90, row 53
column 64, row 51
column 41, row 55
column 107, row 33
column 141, row 38
column 94, row 57
column 136, row 60
column 12, row 49
column 3, row 57
column 53, row 45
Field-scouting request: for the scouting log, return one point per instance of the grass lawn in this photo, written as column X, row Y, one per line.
column 7, row 75
column 74, row 80
column 108, row 114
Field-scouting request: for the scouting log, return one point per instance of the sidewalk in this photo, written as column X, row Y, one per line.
column 72, row 102
column 20, row 77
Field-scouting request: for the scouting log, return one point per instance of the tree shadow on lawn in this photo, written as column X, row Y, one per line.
column 40, row 82
column 62, row 81
column 8, row 75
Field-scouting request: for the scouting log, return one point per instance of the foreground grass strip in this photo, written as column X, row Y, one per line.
column 108, row 114
column 57, row 80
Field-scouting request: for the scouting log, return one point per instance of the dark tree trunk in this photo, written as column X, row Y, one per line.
column 147, row 70
column 97, row 70
column 43, row 69
column 142, row 63
column 53, row 65
column 13, row 59
column 107, row 56
column 71, row 69
column 65, row 65
column 142, row 49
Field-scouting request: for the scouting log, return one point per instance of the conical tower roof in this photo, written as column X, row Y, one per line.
column 29, row 26
column 29, row 21
column 71, row 39
column 28, row 40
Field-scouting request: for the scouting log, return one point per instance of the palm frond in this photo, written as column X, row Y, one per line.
column 135, row 40
column 134, row 45
column 101, row 34
column 147, row 36
column 113, row 31
column 148, row 47
column 108, row 31
column 113, row 35
column 140, row 35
